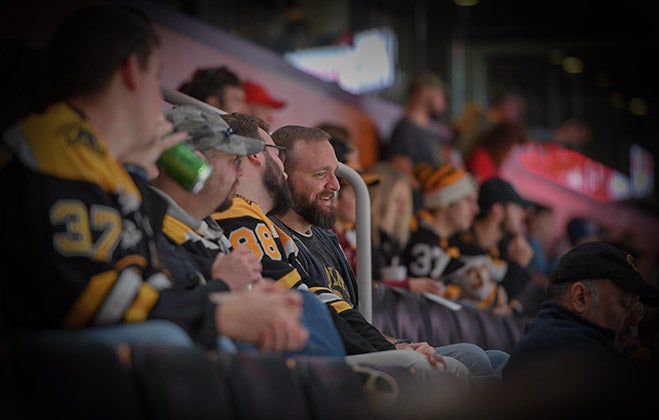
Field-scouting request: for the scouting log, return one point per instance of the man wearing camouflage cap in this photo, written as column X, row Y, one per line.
column 187, row 222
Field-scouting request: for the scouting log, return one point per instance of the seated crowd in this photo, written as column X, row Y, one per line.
column 114, row 270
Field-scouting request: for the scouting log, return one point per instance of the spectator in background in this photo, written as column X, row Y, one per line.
column 541, row 234
column 498, row 232
column 414, row 139
column 582, row 229
column 492, row 147
column 217, row 86
column 450, row 202
column 345, row 202
column 344, row 144
column 594, row 292
column 391, row 214
column 259, row 101
column 507, row 106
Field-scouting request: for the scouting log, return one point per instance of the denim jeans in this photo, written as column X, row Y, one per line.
column 156, row 331
column 478, row 361
column 324, row 339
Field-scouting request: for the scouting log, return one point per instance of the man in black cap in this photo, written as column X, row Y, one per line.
column 498, row 232
column 594, row 291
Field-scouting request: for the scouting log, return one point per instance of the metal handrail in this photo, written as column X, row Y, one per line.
column 363, row 208
column 363, row 228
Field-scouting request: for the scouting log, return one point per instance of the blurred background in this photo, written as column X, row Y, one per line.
column 585, row 69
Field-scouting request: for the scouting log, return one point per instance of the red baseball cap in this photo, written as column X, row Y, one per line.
column 256, row 94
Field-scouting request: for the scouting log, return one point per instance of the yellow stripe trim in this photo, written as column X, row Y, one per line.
column 340, row 306
column 91, row 298
column 174, row 229
column 290, row 280
column 142, row 305
column 133, row 259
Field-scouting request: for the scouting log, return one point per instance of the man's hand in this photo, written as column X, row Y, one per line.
column 520, row 251
column 434, row 358
column 425, row 285
column 239, row 269
column 267, row 315
column 145, row 155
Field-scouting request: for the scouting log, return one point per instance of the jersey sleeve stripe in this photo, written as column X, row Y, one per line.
column 290, row 280
column 119, row 299
column 90, row 299
column 145, row 300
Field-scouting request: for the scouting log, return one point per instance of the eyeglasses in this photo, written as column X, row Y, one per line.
column 281, row 151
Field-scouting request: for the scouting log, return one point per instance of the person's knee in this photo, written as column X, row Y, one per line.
column 471, row 355
column 455, row 366
column 404, row 358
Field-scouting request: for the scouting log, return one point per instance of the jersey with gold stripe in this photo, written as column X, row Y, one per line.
column 78, row 244
column 245, row 224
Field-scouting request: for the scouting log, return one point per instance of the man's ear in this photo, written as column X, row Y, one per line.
column 580, row 299
column 255, row 159
column 213, row 100
column 129, row 71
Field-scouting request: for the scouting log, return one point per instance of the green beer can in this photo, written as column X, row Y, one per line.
column 183, row 165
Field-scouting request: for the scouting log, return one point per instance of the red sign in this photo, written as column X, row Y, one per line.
column 575, row 171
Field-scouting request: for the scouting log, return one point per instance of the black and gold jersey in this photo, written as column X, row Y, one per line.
column 78, row 244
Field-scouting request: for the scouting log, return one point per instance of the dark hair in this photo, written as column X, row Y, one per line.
column 245, row 124
column 210, row 81
column 425, row 79
column 337, row 131
column 92, row 43
column 289, row 134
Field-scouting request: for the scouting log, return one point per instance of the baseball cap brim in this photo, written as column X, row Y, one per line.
column 648, row 294
column 256, row 94
column 207, row 130
column 602, row 260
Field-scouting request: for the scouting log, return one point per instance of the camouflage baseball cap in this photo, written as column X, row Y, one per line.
column 207, row 130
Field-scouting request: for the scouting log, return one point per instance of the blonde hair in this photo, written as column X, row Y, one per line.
column 381, row 204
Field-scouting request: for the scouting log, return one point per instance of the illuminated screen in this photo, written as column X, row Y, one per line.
column 365, row 66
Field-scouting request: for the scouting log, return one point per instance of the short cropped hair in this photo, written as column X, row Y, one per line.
column 426, row 79
column 92, row 43
column 210, row 81
column 245, row 124
column 288, row 135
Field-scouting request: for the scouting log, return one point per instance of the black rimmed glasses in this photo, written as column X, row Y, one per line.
column 281, row 151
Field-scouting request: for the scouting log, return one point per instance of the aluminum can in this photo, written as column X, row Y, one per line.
column 185, row 166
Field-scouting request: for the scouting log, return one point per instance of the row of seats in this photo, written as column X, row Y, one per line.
column 83, row 380
column 399, row 313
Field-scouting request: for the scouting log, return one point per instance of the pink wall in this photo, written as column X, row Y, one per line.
column 306, row 105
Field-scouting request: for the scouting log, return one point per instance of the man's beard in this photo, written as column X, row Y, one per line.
column 274, row 182
column 311, row 211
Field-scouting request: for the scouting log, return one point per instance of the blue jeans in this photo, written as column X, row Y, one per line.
column 324, row 339
column 478, row 361
column 156, row 331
